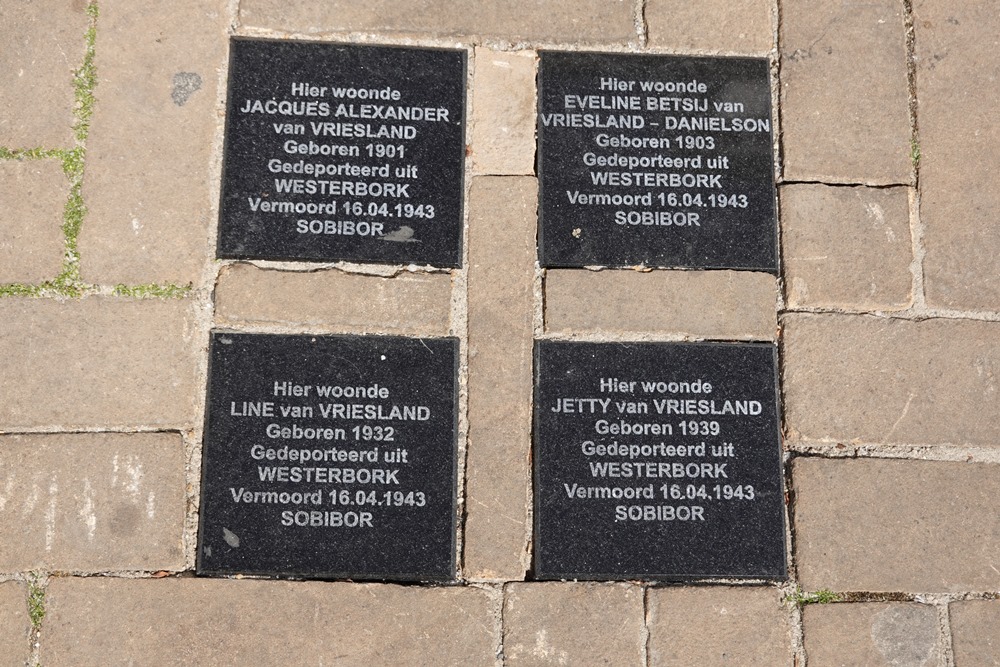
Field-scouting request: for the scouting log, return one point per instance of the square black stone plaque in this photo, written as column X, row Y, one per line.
column 330, row 457
column 655, row 160
column 337, row 152
column 657, row 461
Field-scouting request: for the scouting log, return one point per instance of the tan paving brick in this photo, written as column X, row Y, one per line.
column 573, row 624
column 97, row 362
column 957, row 70
column 43, row 43
column 709, row 304
column 974, row 637
column 32, row 196
column 210, row 622
column 410, row 303
column 875, row 380
column 149, row 171
column 15, row 626
column 581, row 21
column 846, row 247
column 874, row 634
column 718, row 626
column 844, row 123
column 503, row 112
column 894, row 525
column 501, row 306
column 92, row 502
column 740, row 26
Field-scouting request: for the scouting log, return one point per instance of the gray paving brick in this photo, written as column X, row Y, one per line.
column 92, row 502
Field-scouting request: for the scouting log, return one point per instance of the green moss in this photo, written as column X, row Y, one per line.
column 85, row 79
column 68, row 281
column 20, row 289
column 30, row 153
column 36, row 600
column 823, row 596
column 152, row 291
column 914, row 153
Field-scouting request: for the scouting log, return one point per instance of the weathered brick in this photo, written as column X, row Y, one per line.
column 410, row 303
column 718, row 626
column 43, row 44
column 840, row 125
column 743, row 26
column 92, row 502
column 32, row 197
column 957, row 71
column 874, row 634
column 501, row 326
column 16, row 626
column 149, row 155
column 503, row 112
column 894, row 525
column 581, row 21
column 128, row 621
column 846, row 247
column 868, row 379
column 573, row 624
column 974, row 626
column 97, row 362
column 709, row 304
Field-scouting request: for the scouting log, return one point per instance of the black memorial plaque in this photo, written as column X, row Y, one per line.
column 657, row 461
column 655, row 160
column 337, row 152
column 330, row 457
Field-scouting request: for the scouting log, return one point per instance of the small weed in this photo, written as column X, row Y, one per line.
column 823, row 596
column 36, row 600
column 20, row 289
column 914, row 153
column 85, row 79
column 30, row 153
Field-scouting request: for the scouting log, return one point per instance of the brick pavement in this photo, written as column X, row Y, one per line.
column 885, row 311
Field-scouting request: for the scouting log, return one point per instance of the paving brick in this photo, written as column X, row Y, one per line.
column 501, row 327
column 210, row 622
column 410, row 303
column 957, row 70
column 894, row 525
column 32, row 196
column 573, row 624
column 149, row 155
column 875, row 380
column 15, row 649
column 503, row 112
column 702, row 304
column 581, row 21
column 874, row 634
column 846, row 247
column 840, row 123
column 43, row 45
column 97, row 362
column 92, row 502
column 718, row 626
column 743, row 26
column 974, row 635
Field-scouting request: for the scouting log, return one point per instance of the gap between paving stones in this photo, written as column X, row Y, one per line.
column 917, row 230
column 365, row 38
column 641, row 28
column 837, row 450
